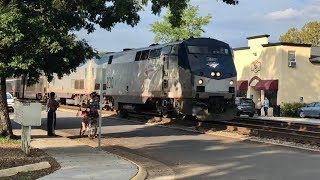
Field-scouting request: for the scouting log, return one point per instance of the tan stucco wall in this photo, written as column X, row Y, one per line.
column 302, row 81
column 255, row 44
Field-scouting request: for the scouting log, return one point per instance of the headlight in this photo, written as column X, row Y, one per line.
column 200, row 81
column 218, row 74
column 213, row 74
column 231, row 82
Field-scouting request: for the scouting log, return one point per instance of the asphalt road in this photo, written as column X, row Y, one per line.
column 197, row 156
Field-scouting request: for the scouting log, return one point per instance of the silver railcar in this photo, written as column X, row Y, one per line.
column 194, row 77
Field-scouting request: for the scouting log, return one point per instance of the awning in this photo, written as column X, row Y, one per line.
column 242, row 85
column 267, row 85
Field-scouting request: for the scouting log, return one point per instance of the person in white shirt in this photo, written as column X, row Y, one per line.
column 258, row 107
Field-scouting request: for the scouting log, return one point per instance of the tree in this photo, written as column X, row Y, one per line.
column 292, row 35
column 191, row 26
column 309, row 34
column 37, row 37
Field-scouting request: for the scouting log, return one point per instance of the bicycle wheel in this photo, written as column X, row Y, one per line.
column 91, row 130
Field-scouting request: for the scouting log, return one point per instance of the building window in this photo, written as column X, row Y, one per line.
column 292, row 59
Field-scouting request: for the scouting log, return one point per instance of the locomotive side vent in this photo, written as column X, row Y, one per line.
column 231, row 89
column 200, row 89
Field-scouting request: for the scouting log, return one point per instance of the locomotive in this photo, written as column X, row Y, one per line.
column 194, row 77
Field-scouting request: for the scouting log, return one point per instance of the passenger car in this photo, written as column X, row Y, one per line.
column 310, row 110
column 10, row 101
column 245, row 106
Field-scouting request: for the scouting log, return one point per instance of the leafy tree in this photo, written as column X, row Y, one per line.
column 309, row 34
column 191, row 26
column 37, row 37
column 292, row 35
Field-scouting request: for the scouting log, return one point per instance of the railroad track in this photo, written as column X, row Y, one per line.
column 288, row 131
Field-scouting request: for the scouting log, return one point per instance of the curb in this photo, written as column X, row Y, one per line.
column 140, row 175
column 26, row 168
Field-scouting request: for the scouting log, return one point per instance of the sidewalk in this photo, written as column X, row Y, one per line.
column 311, row 121
column 79, row 161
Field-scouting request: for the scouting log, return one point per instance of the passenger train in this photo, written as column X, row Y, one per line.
column 193, row 77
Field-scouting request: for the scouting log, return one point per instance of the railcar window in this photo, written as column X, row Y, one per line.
column 78, row 84
column 144, row 55
column 97, row 86
column 155, row 53
column 138, row 56
column 81, row 84
column 166, row 50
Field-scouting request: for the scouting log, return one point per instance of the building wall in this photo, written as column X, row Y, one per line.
column 255, row 44
column 301, row 81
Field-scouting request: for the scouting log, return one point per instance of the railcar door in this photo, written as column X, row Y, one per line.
column 165, row 55
column 165, row 75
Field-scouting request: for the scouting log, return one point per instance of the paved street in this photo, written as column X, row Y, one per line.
column 195, row 156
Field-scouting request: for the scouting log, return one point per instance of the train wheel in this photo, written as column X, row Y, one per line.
column 123, row 113
column 39, row 96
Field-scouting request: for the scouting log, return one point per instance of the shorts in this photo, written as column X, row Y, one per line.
column 88, row 119
column 85, row 119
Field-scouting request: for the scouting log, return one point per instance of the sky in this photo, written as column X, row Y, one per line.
column 231, row 24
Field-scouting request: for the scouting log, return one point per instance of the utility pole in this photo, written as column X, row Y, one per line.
column 24, row 78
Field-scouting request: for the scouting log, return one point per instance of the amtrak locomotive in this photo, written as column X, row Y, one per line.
column 194, row 77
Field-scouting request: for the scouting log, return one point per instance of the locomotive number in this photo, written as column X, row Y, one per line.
column 110, row 82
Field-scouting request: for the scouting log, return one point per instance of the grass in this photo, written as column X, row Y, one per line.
column 8, row 140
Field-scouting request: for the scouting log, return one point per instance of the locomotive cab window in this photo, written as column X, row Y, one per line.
column 198, row 50
column 138, row 56
column 208, row 50
column 110, row 60
column 144, row 55
column 166, row 50
column 175, row 49
column 220, row 50
column 154, row 53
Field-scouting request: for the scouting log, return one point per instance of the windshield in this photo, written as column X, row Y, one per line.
column 9, row 96
column 245, row 101
column 208, row 50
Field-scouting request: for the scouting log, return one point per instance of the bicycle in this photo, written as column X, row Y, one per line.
column 89, row 123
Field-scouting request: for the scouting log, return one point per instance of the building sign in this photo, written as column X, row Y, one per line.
column 256, row 66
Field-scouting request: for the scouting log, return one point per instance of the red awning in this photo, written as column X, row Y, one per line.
column 242, row 85
column 267, row 85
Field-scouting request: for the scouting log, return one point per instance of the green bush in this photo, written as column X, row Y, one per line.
column 291, row 109
column 7, row 140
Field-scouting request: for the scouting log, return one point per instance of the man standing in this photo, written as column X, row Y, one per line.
column 266, row 106
column 52, row 106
